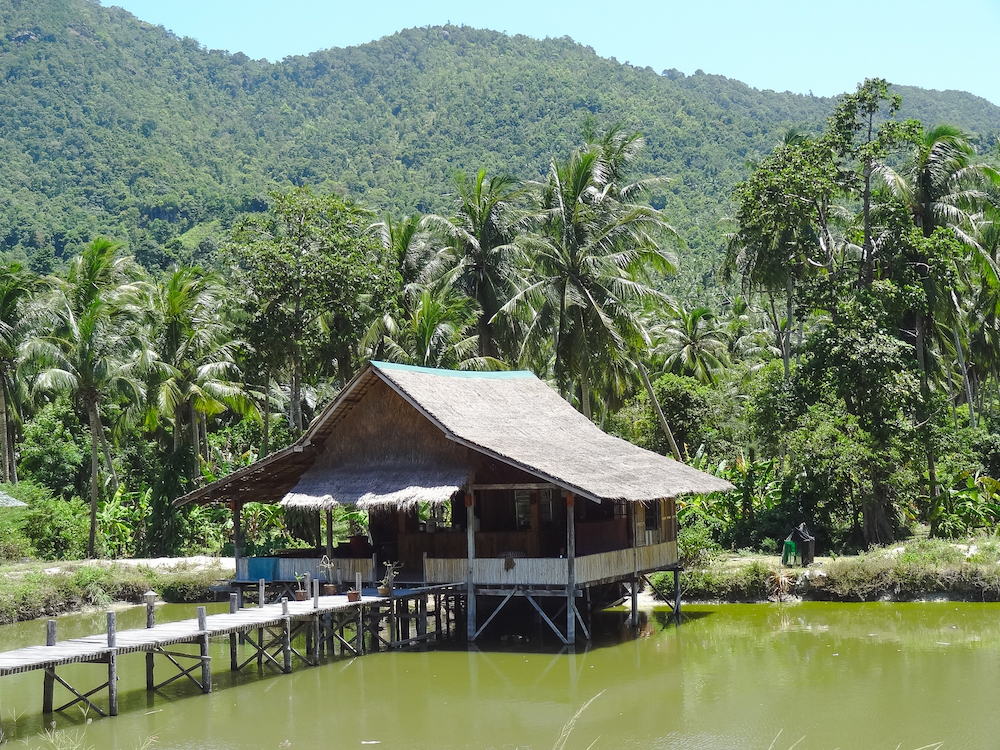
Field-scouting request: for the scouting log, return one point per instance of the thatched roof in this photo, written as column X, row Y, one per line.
column 397, row 435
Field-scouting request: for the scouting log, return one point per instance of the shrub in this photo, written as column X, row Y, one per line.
column 14, row 545
column 58, row 529
column 181, row 585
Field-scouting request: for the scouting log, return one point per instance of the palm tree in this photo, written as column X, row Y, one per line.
column 438, row 330
column 85, row 358
column 484, row 260
column 17, row 287
column 198, row 375
column 93, row 350
column 589, row 270
column 690, row 342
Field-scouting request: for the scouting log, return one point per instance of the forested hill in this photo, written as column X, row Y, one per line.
column 109, row 124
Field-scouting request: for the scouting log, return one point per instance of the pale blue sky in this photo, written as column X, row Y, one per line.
column 798, row 45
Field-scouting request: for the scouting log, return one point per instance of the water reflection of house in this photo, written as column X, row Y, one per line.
column 502, row 460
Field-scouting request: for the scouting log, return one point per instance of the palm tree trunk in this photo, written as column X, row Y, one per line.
column 105, row 446
column 965, row 377
column 4, row 432
column 265, row 441
column 787, row 344
column 951, row 395
column 656, row 405
column 296, row 405
column 195, row 443
column 94, row 425
column 585, row 394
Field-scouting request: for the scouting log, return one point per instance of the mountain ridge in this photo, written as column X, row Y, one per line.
column 110, row 124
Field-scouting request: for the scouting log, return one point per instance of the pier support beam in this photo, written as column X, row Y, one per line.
column 677, row 596
column 470, row 531
column 206, row 660
column 112, row 665
column 150, row 597
column 50, row 680
column 286, row 638
column 570, row 568
column 234, row 606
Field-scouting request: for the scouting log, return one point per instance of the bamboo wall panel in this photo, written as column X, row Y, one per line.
column 445, row 570
column 548, row 571
column 531, row 571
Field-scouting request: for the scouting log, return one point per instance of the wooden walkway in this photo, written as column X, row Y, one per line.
column 95, row 647
column 326, row 622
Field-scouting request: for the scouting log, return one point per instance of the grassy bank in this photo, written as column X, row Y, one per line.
column 42, row 589
column 902, row 572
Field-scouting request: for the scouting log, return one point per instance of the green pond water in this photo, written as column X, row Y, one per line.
column 732, row 676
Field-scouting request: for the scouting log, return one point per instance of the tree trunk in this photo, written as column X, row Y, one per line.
column 787, row 344
column 585, row 395
column 94, row 426
column 265, row 442
column 105, row 447
column 4, row 432
column 195, row 444
column 656, row 405
column 296, row 394
column 965, row 377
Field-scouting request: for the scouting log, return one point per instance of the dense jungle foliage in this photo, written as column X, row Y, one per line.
column 111, row 126
column 462, row 199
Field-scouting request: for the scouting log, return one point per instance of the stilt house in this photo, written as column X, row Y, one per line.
column 522, row 494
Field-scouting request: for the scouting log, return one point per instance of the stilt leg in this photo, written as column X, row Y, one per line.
column 50, row 679
column 203, row 642
column 677, row 596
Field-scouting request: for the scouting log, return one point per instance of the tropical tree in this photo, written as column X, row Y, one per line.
column 690, row 343
column 312, row 283
column 438, row 330
column 94, row 351
column 198, row 376
column 17, row 288
column 590, row 265
column 484, row 259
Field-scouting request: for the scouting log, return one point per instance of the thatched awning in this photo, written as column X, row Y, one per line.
column 397, row 435
column 377, row 485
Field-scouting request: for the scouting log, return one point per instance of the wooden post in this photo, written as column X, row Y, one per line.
column 261, row 592
column 392, row 618
column 286, row 637
column 329, row 534
column 470, row 594
column 237, row 508
column 150, row 597
column 50, row 678
column 635, row 566
column 233, row 657
column 206, row 664
column 112, row 665
column 315, row 593
column 677, row 595
column 422, row 615
column 570, row 568
column 359, row 645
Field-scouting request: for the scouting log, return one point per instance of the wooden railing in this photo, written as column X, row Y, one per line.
column 549, row 571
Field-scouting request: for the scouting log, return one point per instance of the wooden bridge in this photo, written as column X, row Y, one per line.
column 272, row 631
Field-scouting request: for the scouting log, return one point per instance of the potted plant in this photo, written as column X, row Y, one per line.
column 330, row 588
column 300, row 593
column 353, row 595
column 385, row 586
